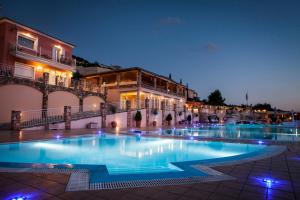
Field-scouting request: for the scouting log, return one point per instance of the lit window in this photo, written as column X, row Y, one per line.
column 26, row 41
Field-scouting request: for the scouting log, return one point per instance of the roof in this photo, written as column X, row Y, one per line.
column 134, row 68
column 5, row 19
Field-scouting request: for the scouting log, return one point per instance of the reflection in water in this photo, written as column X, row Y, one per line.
column 239, row 132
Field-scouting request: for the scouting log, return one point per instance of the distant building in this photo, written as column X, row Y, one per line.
column 136, row 84
column 28, row 53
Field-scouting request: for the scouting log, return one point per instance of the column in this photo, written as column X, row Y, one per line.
column 139, row 85
column 155, row 84
column 103, row 114
column 163, row 108
column 80, row 103
column 45, row 99
column 67, row 117
column 184, row 112
column 118, row 79
column 147, row 105
column 128, row 108
column 199, row 114
column 15, row 120
column 175, row 114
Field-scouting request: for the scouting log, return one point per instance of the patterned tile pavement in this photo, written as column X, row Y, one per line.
column 249, row 184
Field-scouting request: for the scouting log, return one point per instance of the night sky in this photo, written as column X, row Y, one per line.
column 235, row 46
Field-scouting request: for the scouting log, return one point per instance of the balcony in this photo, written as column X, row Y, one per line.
column 43, row 56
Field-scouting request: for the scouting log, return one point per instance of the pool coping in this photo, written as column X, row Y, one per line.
column 196, row 171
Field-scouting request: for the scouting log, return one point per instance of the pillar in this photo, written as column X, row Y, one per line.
column 15, row 120
column 103, row 114
column 45, row 99
column 163, row 108
column 147, row 105
column 128, row 108
column 175, row 114
column 67, row 117
column 139, row 85
column 199, row 114
column 184, row 112
column 80, row 103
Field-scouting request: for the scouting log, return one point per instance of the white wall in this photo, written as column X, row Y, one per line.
column 120, row 118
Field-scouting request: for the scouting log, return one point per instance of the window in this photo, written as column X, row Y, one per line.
column 27, row 41
column 24, row 71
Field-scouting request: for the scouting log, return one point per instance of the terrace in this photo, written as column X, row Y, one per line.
column 270, row 178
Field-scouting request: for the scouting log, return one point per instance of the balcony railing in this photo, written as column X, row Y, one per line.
column 42, row 54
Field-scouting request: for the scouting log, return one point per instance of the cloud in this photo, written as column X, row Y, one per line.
column 210, row 47
column 171, row 21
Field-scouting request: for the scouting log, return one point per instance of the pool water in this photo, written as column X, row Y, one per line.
column 121, row 154
column 256, row 132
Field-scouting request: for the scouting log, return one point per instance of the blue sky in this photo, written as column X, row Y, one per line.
column 235, row 46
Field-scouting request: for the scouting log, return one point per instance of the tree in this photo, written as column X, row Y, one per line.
column 215, row 98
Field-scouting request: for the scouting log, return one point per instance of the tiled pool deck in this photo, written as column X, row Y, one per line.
column 284, row 168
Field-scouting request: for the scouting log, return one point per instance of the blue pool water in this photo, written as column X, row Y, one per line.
column 121, row 154
column 256, row 132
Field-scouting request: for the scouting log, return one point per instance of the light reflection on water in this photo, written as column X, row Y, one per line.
column 239, row 132
column 121, row 154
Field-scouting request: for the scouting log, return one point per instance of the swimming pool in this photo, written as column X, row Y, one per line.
column 122, row 154
column 257, row 132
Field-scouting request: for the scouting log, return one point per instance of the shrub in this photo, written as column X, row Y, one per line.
column 169, row 117
column 138, row 116
column 189, row 118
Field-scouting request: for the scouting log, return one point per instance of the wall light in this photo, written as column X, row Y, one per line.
column 39, row 68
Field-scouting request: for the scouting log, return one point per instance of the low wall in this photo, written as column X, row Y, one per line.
column 120, row 118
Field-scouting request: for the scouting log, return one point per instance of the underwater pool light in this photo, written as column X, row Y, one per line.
column 99, row 132
column 57, row 136
column 260, row 142
column 19, row 198
column 192, row 138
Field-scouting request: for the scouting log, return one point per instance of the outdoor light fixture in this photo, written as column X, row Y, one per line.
column 99, row 132
column 260, row 142
column 58, row 136
column 191, row 138
column 19, row 198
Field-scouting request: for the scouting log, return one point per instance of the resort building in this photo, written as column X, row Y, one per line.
column 36, row 72
column 135, row 85
column 28, row 53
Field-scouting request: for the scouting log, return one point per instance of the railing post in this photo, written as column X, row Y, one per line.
column 147, row 112
column 128, row 109
column 15, row 120
column 103, row 114
column 163, row 108
column 175, row 114
column 199, row 114
column 67, row 117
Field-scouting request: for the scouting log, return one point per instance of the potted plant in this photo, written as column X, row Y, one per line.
column 138, row 118
column 189, row 118
column 169, row 119
column 113, row 124
column 154, row 123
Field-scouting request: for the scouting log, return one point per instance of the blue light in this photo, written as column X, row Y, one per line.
column 192, row 138
column 269, row 182
column 57, row 137
column 260, row 142
column 99, row 132
column 19, row 198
